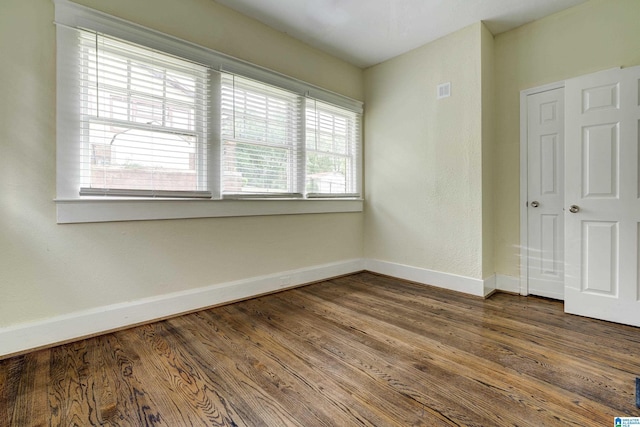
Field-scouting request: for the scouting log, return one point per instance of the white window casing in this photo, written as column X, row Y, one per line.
column 144, row 120
column 153, row 127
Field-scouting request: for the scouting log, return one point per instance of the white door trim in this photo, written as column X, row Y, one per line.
column 524, row 180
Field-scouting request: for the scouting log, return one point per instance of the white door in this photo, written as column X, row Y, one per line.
column 602, row 189
column 545, row 193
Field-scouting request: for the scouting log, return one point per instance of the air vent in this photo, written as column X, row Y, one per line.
column 444, row 90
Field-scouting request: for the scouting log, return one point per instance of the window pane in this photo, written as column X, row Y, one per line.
column 332, row 141
column 144, row 119
column 125, row 158
column 327, row 174
column 252, row 168
column 261, row 134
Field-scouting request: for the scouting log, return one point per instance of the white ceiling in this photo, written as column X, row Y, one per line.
column 367, row 32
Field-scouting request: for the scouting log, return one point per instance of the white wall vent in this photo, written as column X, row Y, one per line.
column 444, row 90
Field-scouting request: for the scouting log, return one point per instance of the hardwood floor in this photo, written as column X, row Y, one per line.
column 362, row 350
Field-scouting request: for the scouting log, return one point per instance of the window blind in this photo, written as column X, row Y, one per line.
column 262, row 131
column 144, row 114
column 143, row 118
column 332, row 149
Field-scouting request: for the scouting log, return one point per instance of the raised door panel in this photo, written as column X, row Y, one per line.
column 600, row 164
column 600, row 257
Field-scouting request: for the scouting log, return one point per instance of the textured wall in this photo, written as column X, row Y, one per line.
column 595, row 36
column 48, row 269
column 212, row 25
column 423, row 157
column 488, row 151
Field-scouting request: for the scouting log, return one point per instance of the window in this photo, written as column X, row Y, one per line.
column 332, row 148
column 261, row 136
column 145, row 118
column 277, row 143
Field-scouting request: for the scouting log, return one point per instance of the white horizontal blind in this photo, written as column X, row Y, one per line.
column 332, row 150
column 262, row 130
column 140, row 113
column 143, row 119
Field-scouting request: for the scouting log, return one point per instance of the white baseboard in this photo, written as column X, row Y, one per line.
column 489, row 285
column 429, row 277
column 508, row 283
column 547, row 293
column 29, row 336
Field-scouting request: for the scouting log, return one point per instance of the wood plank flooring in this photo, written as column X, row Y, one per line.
column 362, row 350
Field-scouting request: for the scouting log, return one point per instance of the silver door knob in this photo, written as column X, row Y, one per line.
column 574, row 208
column 535, row 204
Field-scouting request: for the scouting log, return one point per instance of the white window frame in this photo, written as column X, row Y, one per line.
column 72, row 208
column 98, row 89
column 247, row 101
column 351, row 153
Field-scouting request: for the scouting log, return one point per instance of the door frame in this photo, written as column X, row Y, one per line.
column 524, row 179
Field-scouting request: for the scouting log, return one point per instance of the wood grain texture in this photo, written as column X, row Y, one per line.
column 362, row 350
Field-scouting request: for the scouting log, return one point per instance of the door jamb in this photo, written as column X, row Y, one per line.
column 524, row 179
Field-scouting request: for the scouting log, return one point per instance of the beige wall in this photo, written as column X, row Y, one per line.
column 48, row 269
column 597, row 35
column 423, row 157
column 488, row 151
column 212, row 25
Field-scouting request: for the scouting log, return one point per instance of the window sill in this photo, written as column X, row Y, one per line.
column 107, row 210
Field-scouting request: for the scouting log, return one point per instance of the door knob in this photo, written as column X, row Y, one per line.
column 535, row 204
column 574, row 208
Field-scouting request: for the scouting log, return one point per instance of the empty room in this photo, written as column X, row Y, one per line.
column 319, row 212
